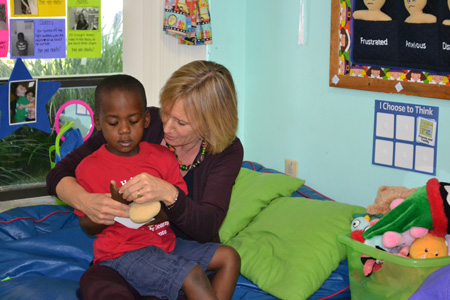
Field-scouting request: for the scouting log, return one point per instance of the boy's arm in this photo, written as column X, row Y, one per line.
column 89, row 226
column 92, row 228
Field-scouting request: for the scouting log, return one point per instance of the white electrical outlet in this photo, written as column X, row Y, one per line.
column 290, row 167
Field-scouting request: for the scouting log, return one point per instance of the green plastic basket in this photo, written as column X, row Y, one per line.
column 398, row 278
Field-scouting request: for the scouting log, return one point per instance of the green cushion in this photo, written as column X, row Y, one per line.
column 292, row 246
column 251, row 193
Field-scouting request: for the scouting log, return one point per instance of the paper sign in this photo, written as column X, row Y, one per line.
column 405, row 136
column 84, row 29
column 128, row 223
column 51, row 8
column 38, row 38
column 38, row 8
column 50, row 38
column 426, row 131
column 4, row 38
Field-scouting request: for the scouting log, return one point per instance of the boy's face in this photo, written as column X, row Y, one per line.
column 21, row 90
column 122, row 120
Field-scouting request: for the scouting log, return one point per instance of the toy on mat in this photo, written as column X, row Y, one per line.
column 373, row 11
column 429, row 246
column 139, row 213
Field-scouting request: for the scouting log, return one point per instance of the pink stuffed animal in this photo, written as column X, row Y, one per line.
column 392, row 239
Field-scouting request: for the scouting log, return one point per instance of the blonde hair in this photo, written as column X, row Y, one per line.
column 209, row 97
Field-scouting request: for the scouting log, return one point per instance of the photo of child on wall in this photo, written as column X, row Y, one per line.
column 22, row 38
column 3, row 25
column 83, row 18
column 22, row 101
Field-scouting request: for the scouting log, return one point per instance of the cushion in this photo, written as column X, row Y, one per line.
column 291, row 247
column 251, row 193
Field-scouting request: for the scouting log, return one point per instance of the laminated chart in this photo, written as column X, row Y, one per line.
column 405, row 136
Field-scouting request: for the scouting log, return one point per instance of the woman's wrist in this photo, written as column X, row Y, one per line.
column 174, row 199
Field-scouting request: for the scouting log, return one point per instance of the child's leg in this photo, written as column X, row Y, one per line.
column 227, row 264
column 197, row 285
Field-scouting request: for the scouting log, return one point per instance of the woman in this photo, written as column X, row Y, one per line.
column 198, row 122
column 81, row 24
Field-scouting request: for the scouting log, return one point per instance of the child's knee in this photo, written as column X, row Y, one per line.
column 234, row 255
column 229, row 256
column 196, row 277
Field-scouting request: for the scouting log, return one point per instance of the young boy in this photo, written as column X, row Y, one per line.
column 151, row 259
column 21, row 112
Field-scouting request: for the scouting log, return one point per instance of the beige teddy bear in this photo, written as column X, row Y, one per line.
column 385, row 195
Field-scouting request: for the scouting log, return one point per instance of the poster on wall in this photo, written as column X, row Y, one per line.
column 38, row 38
column 38, row 8
column 4, row 42
column 405, row 136
column 84, row 38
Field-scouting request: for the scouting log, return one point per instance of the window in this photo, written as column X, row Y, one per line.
column 24, row 155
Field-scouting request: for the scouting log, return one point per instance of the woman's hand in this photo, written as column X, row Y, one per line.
column 100, row 208
column 145, row 187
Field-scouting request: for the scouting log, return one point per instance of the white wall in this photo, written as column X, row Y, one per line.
column 149, row 54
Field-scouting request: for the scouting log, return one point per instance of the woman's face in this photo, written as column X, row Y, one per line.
column 177, row 127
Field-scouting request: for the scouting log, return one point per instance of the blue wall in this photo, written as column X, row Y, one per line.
column 288, row 110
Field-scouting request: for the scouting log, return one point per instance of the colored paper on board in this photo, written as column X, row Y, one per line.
column 4, row 38
column 44, row 91
column 50, row 38
column 38, row 38
column 38, row 8
column 84, row 38
column 51, row 8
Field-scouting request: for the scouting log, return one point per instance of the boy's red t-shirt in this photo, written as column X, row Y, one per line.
column 95, row 173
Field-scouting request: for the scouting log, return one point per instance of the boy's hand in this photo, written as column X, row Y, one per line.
column 115, row 193
column 159, row 218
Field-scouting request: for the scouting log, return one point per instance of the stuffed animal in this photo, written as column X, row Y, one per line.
column 139, row 213
column 428, row 207
column 373, row 11
column 386, row 195
column 416, row 14
column 429, row 246
column 392, row 239
column 360, row 222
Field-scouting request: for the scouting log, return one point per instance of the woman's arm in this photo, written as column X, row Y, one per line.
column 200, row 218
column 61, row 182
column 100, row 208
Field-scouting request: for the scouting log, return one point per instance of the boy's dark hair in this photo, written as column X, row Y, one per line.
column 119, row 83
column 20, row 35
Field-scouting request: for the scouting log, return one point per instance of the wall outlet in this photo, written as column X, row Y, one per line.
column 290, row 167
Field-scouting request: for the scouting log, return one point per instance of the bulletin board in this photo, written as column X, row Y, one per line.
column 393, row 71
column 405, row 136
